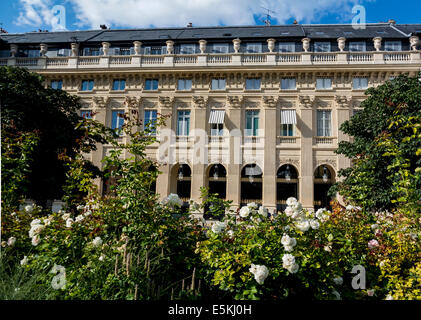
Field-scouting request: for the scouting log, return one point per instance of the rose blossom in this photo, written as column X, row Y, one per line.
column 373, row 244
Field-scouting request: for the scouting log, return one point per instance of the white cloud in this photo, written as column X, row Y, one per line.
column 167, row 13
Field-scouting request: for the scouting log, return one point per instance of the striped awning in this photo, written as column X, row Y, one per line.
column 288, row 117
column 216, row 116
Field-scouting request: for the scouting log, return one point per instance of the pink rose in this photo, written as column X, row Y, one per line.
column 373, row 244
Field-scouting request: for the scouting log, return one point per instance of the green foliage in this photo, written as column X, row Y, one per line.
column 371, row 181
column 30, row 107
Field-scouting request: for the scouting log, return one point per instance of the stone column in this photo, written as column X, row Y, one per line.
column 234, row 126
column 306, row 181
column 163, row 182
column 270, row 156
column 200, row 156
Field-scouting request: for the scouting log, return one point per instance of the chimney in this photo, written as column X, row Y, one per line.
column 103, row 27
column 190, row 25
column 391, row 21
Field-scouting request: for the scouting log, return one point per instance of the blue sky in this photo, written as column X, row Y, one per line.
column 30, row 15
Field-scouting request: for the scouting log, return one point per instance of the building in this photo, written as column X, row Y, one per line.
column 265, row 102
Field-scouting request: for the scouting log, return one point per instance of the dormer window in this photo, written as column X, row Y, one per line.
column 321, row 46
column 253, row 47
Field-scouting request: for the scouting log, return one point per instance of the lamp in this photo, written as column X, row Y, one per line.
column 288, row 174
column 180, row 173
column 251, row 178
column 215, row 173
column 325, row 177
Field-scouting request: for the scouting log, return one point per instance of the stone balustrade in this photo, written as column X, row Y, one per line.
column 229, row 59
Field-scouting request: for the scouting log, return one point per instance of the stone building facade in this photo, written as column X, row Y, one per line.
column 253, row 112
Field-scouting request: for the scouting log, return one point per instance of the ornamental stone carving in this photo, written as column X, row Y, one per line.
column 306, row 101
column 100, row 102
column 132, row 102
column 330, row 162
column 341, row 43
column 237, row 44
column 377, row 43
column 75, row 49
column 294, row 162
column 414, row 42
column 235, row 101
column 170, row 47
column 166, row 102
column 343, row 101
column 200, row 102
column 43, row 49
column 202, row 46
column 106, row 48
column 271, row 44
column 270, row 101
column 306, row 44
column 137, row 47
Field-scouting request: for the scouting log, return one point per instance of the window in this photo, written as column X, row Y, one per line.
column 119, row 84
column 187, row 49
column 56, row 84
column 252, row 123
column 155, row 50
column 253, row 84
column 151, row 84
column 216, row 121
column 288, row 84
column 64, row 52
column 392, row 46
column 183, row 123
column 357, row 46
column 253, row 47
column 218, row 84
column 288, row 123
column 359, row 83
column 150, row 120
column 220, row 48
column 87, row 114
column 4, row 53
column 324, row 83
column 287, row 47
column 87, row 85
column 184, row 84
column 30, row 53
column 117, row 120
column 92, row 51
column 322, row 47
column 324, row 123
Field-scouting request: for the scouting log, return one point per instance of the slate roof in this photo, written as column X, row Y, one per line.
column 278, row 32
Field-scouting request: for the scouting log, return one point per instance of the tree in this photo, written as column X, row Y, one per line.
column 391, row 113
column 28, row 106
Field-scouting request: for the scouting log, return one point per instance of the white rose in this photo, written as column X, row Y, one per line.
column 24, row 261
column 291, row 201
column 218, row 227
column 88, row 213
column 101, row 257
column 288, row 260
column 244, row 212
column 36, row 229
column 11, row 241
column 263, row 211
column 80, row 207
column 79, row 218
column 29, row 208
column 293, row 268
column 36, row 240
column 286, row 240
column 288, row 248
column 35, row 222
column 230, row 234
column 320, row 213
column 303, row 225
column 289, row 211
column 69, row 222
column 260, row 273
column 66, row 216
column 97, row 242
column 338, row 280
column 314, row 224
column 252, row 205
